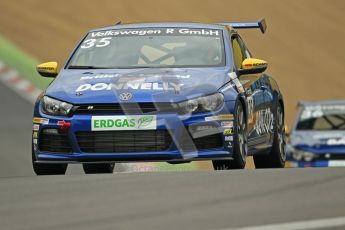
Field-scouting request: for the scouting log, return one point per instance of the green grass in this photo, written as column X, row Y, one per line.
column 17, row 59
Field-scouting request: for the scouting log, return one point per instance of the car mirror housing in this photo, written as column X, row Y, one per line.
column 252, row 66
column 48, row 69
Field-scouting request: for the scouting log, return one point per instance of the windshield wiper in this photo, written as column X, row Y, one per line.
column 86, row 67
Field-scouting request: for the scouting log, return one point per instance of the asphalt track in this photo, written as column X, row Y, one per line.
column 153, row 200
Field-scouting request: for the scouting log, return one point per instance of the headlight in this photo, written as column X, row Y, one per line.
column 303, row 155
column 55, row 107
column 201, row 104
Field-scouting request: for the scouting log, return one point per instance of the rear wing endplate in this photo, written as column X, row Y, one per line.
column 247, row 25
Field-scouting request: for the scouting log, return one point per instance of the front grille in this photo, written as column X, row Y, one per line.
column 124, row 141
column 124, row 108
column 53, row 140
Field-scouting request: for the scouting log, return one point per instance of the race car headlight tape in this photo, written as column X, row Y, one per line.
column 55, row 107
column 201, row 104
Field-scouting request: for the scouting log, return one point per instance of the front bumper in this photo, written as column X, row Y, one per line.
column 182, row 130
column 329, row 156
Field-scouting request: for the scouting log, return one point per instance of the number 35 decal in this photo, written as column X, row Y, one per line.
column 93, row 42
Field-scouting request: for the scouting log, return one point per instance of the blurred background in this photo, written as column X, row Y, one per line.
column 304, row 44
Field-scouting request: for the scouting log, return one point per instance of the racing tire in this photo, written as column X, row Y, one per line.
column 99, row 168
column 277, row 155
column 240, row 145
column 48, row 169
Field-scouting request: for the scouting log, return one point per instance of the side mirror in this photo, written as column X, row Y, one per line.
column 253, row 65
column 48, row 69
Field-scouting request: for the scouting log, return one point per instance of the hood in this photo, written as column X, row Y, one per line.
column 319, row 142
column 145, row 85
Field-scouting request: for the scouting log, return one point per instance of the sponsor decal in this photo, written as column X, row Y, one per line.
column 220, row 117
column 227, row 131
column 130, row 85
column 44, row 121
column 35, row 145
column 227, row 124
column 229, row 144
column 238, row 85
column 155, row 31
column 45, row 68
column 234, row 79
column 195, row 32
column 114, row 33
column 226, row 116
column 37, row 120
column 264, row 121
column 35, row 127
column 134, row 122
column 250, row 102
column 336, row 141
column 228, row 138
column 89, row 43
column 339, row 163
column 40, row 120
column 232, row 75
column 64, row 125
column 100, row 76
column 129, row 77
column 35, row 134
column 204, row 127
column 104, row 38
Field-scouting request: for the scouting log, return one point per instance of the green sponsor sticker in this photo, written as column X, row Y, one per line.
column 145, row 121
column 134, row 122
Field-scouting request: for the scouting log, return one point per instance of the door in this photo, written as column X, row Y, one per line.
column 254, row 87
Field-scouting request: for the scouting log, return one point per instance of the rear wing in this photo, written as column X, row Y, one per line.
column 247, row 25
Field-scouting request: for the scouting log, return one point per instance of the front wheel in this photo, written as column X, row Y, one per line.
column 240, row 148
column 98, row 168
column 47, row 169
column 277, row 156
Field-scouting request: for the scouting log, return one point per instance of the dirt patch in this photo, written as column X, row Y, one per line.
column 303, row 45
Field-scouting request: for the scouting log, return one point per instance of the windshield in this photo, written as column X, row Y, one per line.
column 327, row 117
column 150, row 47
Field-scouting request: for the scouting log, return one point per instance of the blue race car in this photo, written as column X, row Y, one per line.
column 317, row 138
column 171, row 92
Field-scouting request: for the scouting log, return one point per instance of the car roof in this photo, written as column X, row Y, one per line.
column 158, row 25
column 324, row 102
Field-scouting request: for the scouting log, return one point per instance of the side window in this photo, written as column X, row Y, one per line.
column 246, row 52
column 240, row 51
column 238, row 55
